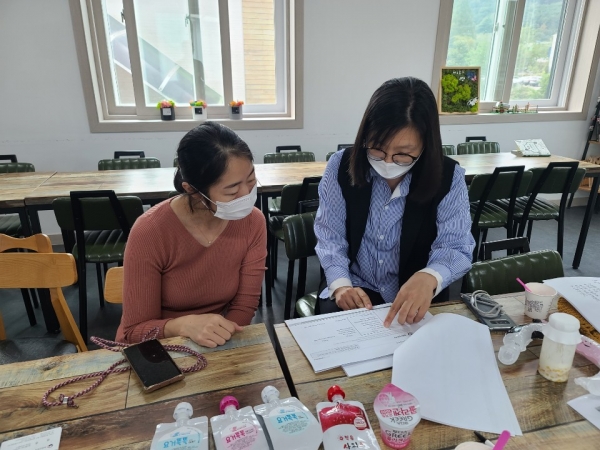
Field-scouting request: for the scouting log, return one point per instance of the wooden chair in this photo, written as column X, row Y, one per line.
column 41, row 270
column 113, row 285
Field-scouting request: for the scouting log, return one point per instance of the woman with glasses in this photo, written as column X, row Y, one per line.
column 393, row 223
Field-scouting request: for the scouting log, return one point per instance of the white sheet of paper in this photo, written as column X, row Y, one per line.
column 38, row 441
column 532, row 147
column 589, row 407
column 332, row 340
column 583, row 293
column 449, row 365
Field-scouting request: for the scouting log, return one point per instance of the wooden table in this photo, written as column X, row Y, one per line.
column 540, row 405
column 118, row 414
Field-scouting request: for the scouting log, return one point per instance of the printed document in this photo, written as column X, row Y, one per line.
column 450, row 366
column 332, row 340
column 583, row 293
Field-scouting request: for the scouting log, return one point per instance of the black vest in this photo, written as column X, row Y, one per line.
column 417, row 233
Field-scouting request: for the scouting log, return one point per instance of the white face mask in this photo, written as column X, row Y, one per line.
column 390, row 171
column 235, row 209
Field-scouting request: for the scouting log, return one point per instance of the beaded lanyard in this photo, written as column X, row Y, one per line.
column 113, row 346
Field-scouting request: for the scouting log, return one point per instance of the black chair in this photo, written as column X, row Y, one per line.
column 343, row 146
column 10, row 158
column 101, row 222
column 512, row 246
column 133, row 153
column 475, row 138
column 287, row 148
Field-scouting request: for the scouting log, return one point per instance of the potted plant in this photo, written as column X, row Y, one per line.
column 198, row 110
column 235, row 111
column 167, row 109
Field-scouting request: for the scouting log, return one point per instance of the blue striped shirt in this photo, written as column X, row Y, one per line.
column 378, row 258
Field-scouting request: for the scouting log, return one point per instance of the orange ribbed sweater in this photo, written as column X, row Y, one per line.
column 169, row 274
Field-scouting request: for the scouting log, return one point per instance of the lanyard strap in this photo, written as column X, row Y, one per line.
column 113, row 346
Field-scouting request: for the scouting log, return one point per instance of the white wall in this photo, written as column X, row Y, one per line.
column 350, row 48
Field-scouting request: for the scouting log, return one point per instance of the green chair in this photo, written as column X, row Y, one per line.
column 329, row 155
column 288, row 148
column 128, row 163
column 473, row 148
column 448, row 150
column 498, row 276
column 291, row 196
column 16, row 167
column 9, row 158
column 129, row 153
column 101, row 223
column 505, row 183
column 558, row 178
column 475, row 138
column 343, row 146
column 300, row 242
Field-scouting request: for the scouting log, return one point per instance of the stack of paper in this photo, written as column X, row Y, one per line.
column 583, row 293
column 355, row 339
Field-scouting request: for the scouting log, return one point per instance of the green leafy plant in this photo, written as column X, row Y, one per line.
column 165, row 104
column 459, row 90
column 201, row 103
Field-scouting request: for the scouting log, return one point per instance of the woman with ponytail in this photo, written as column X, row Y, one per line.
column 194, row 264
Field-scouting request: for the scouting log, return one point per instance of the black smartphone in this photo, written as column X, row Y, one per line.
column 501, row 323
column 152, row 364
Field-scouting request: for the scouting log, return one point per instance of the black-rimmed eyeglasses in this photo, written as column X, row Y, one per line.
column 401, row 159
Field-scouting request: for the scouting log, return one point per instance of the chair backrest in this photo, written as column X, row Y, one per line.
column 175, row 162
column 128, row 163
column 113, row 285
column 9, row 158
column 288, row 148
column 475, row 138
column 329, row 155
column 498, row 276
column 299, row 235
column 343, row 146
column 16, row 167
column 472, row 148
column 270, row 158
column 517, row 244
column 97, row 212
column 130, row 153
column 448, row 150
column 42, row 270
column 292, row 194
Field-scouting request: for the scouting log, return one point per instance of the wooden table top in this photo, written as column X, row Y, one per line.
column 14, row 187
column 118, row 413
column 540, row 405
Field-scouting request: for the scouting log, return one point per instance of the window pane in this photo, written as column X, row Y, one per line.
column 471, row 36
column 538, row 49
column 118, row 53
column 165, row 50
column 252, row 29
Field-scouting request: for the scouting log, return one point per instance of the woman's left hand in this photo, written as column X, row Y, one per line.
column 413, row 299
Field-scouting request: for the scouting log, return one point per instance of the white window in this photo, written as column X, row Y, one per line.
column 140, row 52
column 527, row 49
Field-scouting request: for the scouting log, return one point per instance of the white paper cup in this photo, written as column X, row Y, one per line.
column 539, row 301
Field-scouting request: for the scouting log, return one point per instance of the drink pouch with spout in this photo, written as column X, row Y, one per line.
column 184, row 434
column 289, row 423
column 237, row 429
column 345, row 424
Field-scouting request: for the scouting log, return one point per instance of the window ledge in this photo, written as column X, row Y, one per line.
column 134, row 125
column 542, row 116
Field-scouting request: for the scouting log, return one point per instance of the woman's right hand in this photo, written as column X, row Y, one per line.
column 208, row 330
column 347, row 297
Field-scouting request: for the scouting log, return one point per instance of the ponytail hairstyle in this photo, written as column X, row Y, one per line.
column 397, row 104
column 203, row 154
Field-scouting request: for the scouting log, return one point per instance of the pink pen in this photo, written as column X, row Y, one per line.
column 502, row 440
column 524, row 285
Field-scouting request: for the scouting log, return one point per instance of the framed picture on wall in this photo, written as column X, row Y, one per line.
column 459, row 90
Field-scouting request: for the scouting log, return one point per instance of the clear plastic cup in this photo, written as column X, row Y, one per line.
column 539, row 301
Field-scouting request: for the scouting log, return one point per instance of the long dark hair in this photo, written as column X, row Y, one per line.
column 395, row 105
column 203, row 154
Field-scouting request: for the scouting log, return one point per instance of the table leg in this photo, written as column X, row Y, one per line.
column 585, row 226
column 283, row 364
column 34, row 219
column 25, row 225
column 269, row 272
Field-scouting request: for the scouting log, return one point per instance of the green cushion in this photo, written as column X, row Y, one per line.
column 16, row 167
column 541, row 209
column 103, row 246
column 305, row 306
column 10, row 224
column 299, row 235
column 472, row 148
column 492, row 216
column 288, row 157
column 329, row 155
column 448, row 150
column 498, row 276
column 97, row 212
column 128, row 163
column 276, row 226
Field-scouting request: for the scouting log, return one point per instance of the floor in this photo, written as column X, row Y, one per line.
column 103, row 322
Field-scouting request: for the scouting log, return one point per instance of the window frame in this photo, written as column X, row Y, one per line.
column 104, row 115
column 581, row 57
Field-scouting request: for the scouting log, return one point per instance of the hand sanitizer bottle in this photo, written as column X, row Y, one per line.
column 345, row 424
column 237, row 429
column 185, row 434
column 290, row 424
